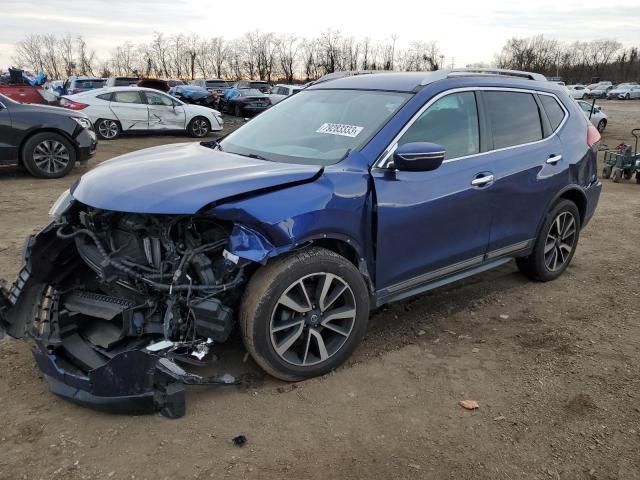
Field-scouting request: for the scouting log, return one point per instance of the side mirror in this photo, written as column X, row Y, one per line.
column 418, row 156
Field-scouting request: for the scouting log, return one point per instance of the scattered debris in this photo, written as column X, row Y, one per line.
column 504, row 317
column 500, row 417
column 469, row 404
column 239, row 441
column 421, row 332
column 475, row 350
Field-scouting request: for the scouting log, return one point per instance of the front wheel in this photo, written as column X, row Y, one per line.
column 107, row 129
column 199, row 127
column 48, row 155
column 602, row 124
column 555, row 245
column 303, row 315
column 606, row 171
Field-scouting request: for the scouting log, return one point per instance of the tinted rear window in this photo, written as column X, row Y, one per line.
column 554, row 111
column 514, row 118
column 214, row 84
column 89, row 84
column 124, row 82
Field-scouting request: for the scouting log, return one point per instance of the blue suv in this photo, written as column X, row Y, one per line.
column 359, row 191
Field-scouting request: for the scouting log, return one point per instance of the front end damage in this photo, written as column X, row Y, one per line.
column 117, row 302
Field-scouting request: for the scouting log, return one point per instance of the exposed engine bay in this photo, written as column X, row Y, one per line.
column 140, row 292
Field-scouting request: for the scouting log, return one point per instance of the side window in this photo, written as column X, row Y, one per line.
column 514, row 118
column 555, row 113
column 127, row 97
column 157, row 99
column 452, row 121
column 104, row 96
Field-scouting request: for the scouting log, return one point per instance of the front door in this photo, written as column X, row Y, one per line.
column 164, row 112
column 432, row 224
column 130, row 109
column 8, row 145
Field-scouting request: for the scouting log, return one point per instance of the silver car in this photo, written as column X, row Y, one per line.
column 598, row 117
column 625, row 91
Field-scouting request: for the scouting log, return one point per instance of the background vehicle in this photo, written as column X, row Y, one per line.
column 625, row 92
column 598, row 117
column 264, row 87
column 175, row 83
column 577, row 91
column 155, row 84
column 593, row 86
column 250, row 102
column 119, row 109
column 447, row 173
column 121, row 81
column 599, row 91
column 194, row 95
column 46, row 141
column 75, row 85
column 216, row 85
column 280, row 92
column 24, row 93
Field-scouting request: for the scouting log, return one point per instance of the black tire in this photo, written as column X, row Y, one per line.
column 56, row 165
column 535, row 265
column 638, row 177
column 108, row 129
column 199, row 127
column 602, row 124
column 627, row 97
column 616, row 175
column 627, row 174
column 237, row 111
column 606, row 171
column 261, row 302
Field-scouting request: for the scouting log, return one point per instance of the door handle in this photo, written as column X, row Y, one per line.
column 482, row 181
column 553, row 159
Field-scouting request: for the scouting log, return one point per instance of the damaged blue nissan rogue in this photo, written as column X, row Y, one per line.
column 359, row 191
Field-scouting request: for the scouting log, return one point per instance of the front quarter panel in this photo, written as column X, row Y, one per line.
column 332, row 207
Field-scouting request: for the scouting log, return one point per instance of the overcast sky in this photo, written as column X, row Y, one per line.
column 467, row 30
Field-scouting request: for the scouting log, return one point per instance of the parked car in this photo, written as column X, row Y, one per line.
column 577, row 91
column 155, row 84
column 118, row 109
column 46, row 141
column 216, row 85
column 121, row 81
column 24, row 93
column 593, row 86
column 75, row 85
column 264, row 87
column 598, row 92
column 627, row 91
column 194, row 95
column 250, row 101
column 597, row 117
column 354, row 193
column 280, row 92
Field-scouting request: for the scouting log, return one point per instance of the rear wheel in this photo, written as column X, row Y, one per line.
column 606, row 171
column 108, row 129
column 48, row 155
column 627, row 174
column 602, row 124
column 616, row 175
column 555, row 245
column 199, row 127
column 303, row 315
column 637, row 177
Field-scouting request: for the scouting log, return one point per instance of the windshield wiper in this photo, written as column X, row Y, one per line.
column 252, row 155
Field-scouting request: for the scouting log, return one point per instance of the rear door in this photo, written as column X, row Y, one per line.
column 8, row 144
column 527, row 164
column 164, row 112
column 130, row 109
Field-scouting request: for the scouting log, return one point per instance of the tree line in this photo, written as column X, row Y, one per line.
column 267, row 56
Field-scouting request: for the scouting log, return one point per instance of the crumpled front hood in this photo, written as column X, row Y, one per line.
column 180, row 179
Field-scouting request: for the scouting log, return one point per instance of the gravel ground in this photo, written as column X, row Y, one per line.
column 553, row 367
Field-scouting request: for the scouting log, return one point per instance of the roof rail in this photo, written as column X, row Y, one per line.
column 442, row 74
column 345, row 73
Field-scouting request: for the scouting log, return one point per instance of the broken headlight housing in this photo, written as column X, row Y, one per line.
column 61, row 205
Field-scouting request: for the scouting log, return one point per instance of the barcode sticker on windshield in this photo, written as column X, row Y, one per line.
column 340, row 129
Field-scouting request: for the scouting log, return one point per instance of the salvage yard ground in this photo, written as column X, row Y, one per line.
column 553, row 366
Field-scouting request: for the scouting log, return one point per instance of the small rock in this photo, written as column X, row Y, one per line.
column 504, row 317
column 421, row 332
column 475, row 350
column 111, row 474
column 500, row 417
column 414, row 466
column 469, row 404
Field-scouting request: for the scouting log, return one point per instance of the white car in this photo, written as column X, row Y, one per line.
column 577, row 91
column 122, row 109
column 598, row 117
column 280, row 92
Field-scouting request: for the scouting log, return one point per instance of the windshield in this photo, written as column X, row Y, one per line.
column 217, row 84
column 315, row 127
column 251, row 92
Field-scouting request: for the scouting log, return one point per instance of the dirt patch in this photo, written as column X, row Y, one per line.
column 552, row 365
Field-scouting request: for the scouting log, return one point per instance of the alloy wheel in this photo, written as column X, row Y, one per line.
column 200, row 127
column 51, row 156
column 312, row 319
column 560, row 242
column 108, row 129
